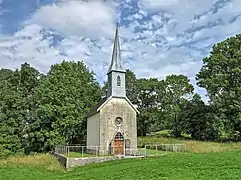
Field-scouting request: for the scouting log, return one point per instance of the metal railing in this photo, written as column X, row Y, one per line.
column 161, row 149
column 79, row 151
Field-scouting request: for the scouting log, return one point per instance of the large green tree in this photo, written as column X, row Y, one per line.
column 178, row 89
column 221, row 77
column 9, row 142
column 147, row 102
column 64, row 98
column 197, row 119
column 16, row 106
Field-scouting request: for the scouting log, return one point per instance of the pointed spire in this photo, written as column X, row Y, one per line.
column 116, row 55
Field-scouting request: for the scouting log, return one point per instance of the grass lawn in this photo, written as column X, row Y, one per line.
column 203, row 160
column 80, row 155
column 175, row 166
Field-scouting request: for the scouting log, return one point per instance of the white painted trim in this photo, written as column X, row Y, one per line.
column 102, row 105
column 111, row 98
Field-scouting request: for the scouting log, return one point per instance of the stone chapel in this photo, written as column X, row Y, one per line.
column 111, row 124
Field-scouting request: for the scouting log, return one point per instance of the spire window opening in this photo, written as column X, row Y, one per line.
column 118, row 81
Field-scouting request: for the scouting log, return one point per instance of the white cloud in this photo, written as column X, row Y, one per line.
column 79, row 26
column 158, row 39
column 28, row 45
column 77, row 18
column 157, row 4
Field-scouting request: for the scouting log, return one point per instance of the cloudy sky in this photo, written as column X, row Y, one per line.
column 158, row 37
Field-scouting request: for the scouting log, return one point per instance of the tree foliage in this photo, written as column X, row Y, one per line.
column 39, row 111
column 17, row 92
column 220, row 76
column 147, row 103
column 178, row 88
column 197, row 119
column 64, row 98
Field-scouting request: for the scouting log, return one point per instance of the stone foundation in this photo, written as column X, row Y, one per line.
column 62, row 159
column 73, row 162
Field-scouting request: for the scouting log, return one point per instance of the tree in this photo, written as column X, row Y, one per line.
column 220, row 75
column 131, row 86
column 178, row 88
column 9, row 142
column 64, row 98
column 148, row 95
column 197, row 119
column 16, row 103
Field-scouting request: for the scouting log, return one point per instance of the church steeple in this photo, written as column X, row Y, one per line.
column 116, row 55
column 116, row 73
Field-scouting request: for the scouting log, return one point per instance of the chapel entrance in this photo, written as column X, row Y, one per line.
column 119, row 144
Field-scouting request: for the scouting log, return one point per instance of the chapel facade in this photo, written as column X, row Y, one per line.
column 111, row 124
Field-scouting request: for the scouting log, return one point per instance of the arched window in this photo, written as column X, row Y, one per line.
column 118, row 81
column 119, row 136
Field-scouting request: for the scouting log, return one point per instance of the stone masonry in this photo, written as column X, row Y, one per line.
column 118, row 107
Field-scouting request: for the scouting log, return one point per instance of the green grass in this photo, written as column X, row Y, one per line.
column 45, row 161
column 183, row 166
column 203, row 160
column 79, row 155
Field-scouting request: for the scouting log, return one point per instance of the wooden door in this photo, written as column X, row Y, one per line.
column 118, row 147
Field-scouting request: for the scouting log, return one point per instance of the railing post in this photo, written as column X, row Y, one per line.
column 145, row 150
column 82, row 152
column 96, row 151
column 68, row 151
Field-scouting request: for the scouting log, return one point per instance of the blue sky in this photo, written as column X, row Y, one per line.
column 158, row 37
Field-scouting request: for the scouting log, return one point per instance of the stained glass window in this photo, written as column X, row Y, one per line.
column 119, row 136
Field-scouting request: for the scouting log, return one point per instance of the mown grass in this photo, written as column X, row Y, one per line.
column 80, row 155
column 204, row 160
column 183, row 166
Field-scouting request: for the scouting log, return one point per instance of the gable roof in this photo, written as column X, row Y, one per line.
column 104, row 101
column 94, row 109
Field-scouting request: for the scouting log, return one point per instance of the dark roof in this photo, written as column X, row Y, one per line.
column 94, row 109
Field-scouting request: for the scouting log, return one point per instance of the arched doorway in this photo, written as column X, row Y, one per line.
column 119, row 144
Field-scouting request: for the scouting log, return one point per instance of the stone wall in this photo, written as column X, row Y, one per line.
column 62, row 159
column 73, row 162
column 118, row 107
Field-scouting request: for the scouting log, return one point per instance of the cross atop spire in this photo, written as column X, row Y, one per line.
column 116, row 55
